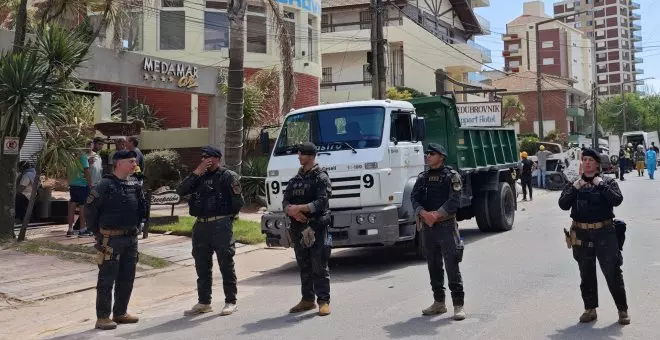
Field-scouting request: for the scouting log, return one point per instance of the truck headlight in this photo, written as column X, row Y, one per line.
column 279, row 224
column 371, row 218
column 273, row 173
column 359, row 219
column 371, row 165
column 270, row 224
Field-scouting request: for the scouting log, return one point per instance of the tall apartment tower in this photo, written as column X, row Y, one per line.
column 614, row 26
column 565, row 51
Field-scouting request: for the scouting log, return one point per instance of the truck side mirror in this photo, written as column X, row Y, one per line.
column 264, row 142
column 419, row 125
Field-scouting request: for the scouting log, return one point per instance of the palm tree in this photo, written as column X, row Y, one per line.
column 286, row 58
column 33, row 80
column 235, row 82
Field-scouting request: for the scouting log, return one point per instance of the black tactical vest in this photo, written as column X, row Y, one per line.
column 212, row 196
column 436, row 188
column 590, row 206
column 122, row 210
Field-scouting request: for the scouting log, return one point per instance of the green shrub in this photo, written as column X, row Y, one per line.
column 528, row 144
column 163, row 168
column 253, row 178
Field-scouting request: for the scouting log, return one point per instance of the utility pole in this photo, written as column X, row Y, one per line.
column 380, row 52
column 374, row 50
column 594, row 105
column 625, row 104
column 539, row 90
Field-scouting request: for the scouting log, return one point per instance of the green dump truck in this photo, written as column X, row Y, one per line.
column 373, row 152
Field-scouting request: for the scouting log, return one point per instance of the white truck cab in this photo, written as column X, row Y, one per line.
column 371, row 150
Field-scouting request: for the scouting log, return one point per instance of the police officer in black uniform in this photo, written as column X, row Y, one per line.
column 592, row 199
column 435, row 198
column 114, row 210
column 306, row 203
column 216, row 200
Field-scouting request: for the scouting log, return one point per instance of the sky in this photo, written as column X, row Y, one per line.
column 501, row 12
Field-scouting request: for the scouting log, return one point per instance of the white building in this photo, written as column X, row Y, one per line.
column 416, row 46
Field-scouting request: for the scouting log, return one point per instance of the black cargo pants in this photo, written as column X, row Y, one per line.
column 441, row 243
column 313, row 264
column 208, row 238
column 601, row 244
column 118, row 271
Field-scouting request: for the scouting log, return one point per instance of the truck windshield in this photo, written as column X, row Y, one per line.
column 333, row 130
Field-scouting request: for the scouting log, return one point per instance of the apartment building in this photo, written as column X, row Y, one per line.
column 565, row 51
column 422, row 36
column 614, row 25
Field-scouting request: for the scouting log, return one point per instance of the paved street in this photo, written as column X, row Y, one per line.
column 522, row 284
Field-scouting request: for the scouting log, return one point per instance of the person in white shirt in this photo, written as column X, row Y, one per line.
column 95, row 161
column 24, row 189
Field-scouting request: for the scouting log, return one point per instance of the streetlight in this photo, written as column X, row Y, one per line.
column 625, row 104
column 539, row 63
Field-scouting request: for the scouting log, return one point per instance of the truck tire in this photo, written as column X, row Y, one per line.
column 501, row 206
column 481, row 214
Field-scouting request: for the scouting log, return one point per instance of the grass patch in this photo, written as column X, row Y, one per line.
column 246, row 232
column 76, row 252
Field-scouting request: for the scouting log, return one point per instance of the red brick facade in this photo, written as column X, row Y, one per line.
column 554, row 108
column 308, row 91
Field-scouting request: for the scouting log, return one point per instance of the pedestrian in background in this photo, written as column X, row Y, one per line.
column 215, row 200
column 526, row 167
column 114, row 210
column 80, row 183
column 640, row 160
column 622, row 163
column 541, row 161
column 306, row 203
column 436, row 199
column 651, row 161
column 591, row 200
column 132, row 145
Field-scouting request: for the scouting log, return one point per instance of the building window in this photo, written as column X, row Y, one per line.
column 326, row 76
column 216, row 26
column 366, row 75
column 257, row 33
column 312, row 38
column 547, row 44
column 290, row 22
column 514, row 63
column 590, row 34
column 172, row 30
column 548, row 61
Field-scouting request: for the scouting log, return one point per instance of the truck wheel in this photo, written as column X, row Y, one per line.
column 502, row 208
column 481, row 211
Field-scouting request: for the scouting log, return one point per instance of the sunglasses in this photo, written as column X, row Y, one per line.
column 431, row 153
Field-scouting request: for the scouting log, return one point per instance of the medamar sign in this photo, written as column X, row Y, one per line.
column 183, row 75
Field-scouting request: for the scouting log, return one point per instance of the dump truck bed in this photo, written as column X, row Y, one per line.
column 469, row 148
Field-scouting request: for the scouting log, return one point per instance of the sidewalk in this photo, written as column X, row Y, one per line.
column 151, row 295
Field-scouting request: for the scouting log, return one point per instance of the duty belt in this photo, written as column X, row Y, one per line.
column 115, row 232
column 212, row 218
column 596, row 225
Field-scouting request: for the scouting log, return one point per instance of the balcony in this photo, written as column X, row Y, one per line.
column 638, row 60
column 634, row 5
column 476, row 77
column 485, row 24
column 636, row 37
column 635, row 27
column 638, row 49
column 511, row 53
column 509, row 37
column 635, row 16
column 486, row 56
column 575, row 112
column 638, row 71
column 480, row 3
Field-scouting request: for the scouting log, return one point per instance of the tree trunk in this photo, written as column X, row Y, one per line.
column 8, row 164
column 21, row 27
column 30, row 207
column 235, row 80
